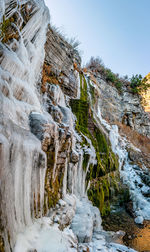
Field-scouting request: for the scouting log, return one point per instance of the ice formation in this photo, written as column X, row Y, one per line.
column 132, row 175
column 21, row 62
column 23, row 170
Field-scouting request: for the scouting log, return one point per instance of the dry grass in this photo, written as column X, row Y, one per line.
column 48, row 76
column 140, row 141
column 76, row 67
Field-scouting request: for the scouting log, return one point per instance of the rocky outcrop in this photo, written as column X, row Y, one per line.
column 53, row 141
column 61, row 63
column 122, row 107
column 139, row 158
column 146, row 96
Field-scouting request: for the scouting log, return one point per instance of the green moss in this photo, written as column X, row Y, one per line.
column 99, row 176
column 100, row 192
column 85, row 161
column 83, row 88
column 80, row 108
column 52, row 185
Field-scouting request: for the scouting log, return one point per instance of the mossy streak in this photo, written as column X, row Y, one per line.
column 107, row 162
column 53, row 184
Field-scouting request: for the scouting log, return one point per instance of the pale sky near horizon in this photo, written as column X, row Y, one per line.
column 118, row 31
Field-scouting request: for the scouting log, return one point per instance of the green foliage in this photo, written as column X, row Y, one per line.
column 138, row 84
column 110, row 76
column 135, row 83
column 118, row 85
column 114, row 78
column 96, row 65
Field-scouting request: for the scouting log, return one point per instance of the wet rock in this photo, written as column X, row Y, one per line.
column 139, row 220
column 74, row 157
column 34, row 250
column 56, row 113
column 129, row 208
column 37, row 123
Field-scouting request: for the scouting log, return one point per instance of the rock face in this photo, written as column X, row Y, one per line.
column 43, row 156
column 139, row 158
column 146, row 96
column 61, row 63
column 54, row 143
column 125, row 108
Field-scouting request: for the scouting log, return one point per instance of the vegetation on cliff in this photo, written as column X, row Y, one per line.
column 136, row 84
column 103, row 176
column 139, row 84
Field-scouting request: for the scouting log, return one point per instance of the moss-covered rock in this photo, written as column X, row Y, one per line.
column 102, row 190
column 104, row 175
column 53, row 183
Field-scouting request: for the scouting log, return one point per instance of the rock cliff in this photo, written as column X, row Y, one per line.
column 147, row 96
column 124, row 107
column 58, row 147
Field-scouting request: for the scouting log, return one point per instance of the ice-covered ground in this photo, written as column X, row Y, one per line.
column 84, row 234
column 42, row 236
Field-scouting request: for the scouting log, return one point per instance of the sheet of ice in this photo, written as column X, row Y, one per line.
column 113, row 247
column 43, row 237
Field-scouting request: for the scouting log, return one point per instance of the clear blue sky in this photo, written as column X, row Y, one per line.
column 118, row 31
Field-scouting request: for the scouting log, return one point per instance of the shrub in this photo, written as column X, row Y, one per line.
column 138, row 84
column 110, row 76
column 135, row 82
column 118, row 85
column 96, row 65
